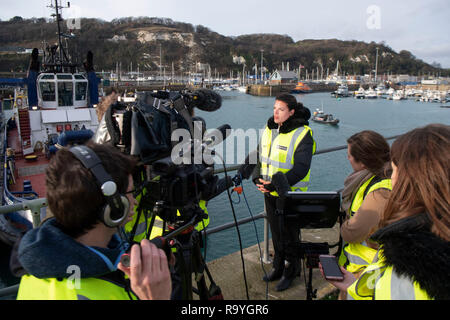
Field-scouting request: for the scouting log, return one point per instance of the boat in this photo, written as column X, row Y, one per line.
column 381, row 90
column 360, row 94
column 242, row 89
column 52, row 107
column 398, row 95
column 370, row 93
column 342, row 91
column 326, row 118
column 301, row 88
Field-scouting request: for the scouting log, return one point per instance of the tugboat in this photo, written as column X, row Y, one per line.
column 326, row 118
column 53, row 108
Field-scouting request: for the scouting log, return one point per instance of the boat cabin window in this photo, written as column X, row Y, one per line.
column 64, row 76
column 47, row 90
column 65, row 93
column 48, row 77
column 80, row 90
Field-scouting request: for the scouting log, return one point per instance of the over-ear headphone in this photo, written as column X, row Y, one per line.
column 117, row 205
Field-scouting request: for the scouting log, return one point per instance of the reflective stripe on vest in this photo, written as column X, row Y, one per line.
column 277, row 154
column 32, row 288
column 356, row 256
column 379, row 282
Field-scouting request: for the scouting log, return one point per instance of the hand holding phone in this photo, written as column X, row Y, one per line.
column 330, row 267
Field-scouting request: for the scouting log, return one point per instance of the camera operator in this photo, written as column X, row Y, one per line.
column 75, row 254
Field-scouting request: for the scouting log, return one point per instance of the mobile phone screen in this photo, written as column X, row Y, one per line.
column 330, row 267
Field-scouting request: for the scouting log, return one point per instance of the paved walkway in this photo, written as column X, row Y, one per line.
column 228, row 275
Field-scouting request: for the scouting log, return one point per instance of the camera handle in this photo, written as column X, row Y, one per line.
column 187, row 241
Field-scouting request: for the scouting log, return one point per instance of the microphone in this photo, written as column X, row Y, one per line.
column 211, row 139
column 281, row 184
column 206, row 100
column 216, row 136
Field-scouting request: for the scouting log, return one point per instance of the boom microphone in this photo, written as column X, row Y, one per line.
column 206, row 100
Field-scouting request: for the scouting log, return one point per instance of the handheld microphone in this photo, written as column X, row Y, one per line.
column 281, row 184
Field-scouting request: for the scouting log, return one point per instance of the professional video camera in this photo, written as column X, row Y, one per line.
column 144, row 129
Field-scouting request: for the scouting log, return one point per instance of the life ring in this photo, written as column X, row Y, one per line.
column 19, row 102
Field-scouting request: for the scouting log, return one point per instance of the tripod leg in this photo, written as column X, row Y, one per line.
column 198, row 265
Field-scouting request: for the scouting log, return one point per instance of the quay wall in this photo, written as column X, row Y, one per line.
column 274, row 90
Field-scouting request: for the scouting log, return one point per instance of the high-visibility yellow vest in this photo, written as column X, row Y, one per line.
column 277, row 154
column 356, row 256
column 143, row 224
column 380, row 282
column 32, row 288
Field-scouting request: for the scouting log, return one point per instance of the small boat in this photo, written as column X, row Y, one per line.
column 321, row 117
column 342, row 91
column 371, row 94
column 301, row 88
column 242, row 89
column 360, row 94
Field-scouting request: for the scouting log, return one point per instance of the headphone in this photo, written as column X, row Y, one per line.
column 117, row 205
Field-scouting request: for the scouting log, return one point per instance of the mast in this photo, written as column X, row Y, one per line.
column 58, row 59
column 376, row 67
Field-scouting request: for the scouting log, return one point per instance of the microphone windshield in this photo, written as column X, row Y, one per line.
column 281, row 183
column 206, row 100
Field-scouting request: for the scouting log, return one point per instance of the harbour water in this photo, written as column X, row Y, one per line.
column 328, row 171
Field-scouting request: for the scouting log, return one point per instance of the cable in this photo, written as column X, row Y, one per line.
column 257, row 238
column 237, row 227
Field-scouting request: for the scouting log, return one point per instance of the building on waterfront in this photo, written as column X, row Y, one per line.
column 283, row 77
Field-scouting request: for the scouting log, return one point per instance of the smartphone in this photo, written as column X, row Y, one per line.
column 330, row 266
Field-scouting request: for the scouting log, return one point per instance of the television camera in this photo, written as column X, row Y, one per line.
column 171, row 184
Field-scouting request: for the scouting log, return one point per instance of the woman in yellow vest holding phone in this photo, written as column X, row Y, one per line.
column 413, row 260
column 287, row 146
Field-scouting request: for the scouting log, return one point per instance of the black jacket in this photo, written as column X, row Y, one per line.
column 414, row 251
column 302, row 156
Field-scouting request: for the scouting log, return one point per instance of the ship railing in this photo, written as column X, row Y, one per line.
column 36, row 204
column 17, row 199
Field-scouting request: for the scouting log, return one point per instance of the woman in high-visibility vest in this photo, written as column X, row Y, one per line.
column 365, row 194
column 287, row 146
column 414, row 255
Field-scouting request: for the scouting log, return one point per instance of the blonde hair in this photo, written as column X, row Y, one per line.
column 422, row 158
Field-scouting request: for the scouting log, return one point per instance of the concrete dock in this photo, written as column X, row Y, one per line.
column 228, row 275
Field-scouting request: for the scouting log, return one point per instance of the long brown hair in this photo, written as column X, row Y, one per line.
column 371, row 149
column 422, row 158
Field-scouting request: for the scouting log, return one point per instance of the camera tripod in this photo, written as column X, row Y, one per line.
column 189, row 262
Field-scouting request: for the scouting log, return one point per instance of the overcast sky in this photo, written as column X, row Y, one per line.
column 419, row 26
